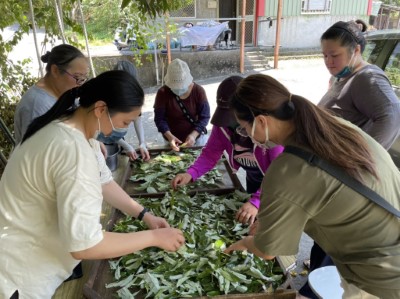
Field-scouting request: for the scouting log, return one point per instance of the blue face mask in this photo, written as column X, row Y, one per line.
column 347, row 70
column 180, row 92
column 343, row 73
column 114, row 137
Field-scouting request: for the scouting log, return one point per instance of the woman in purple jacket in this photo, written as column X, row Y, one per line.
column 241, row 152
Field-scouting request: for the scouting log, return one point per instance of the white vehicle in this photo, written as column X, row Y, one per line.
column 123, row 40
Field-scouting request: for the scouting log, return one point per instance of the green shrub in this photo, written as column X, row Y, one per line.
column 13, row 84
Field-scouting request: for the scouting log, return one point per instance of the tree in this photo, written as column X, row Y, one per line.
column 154, row 8
column 15, row 76
column 392, row 2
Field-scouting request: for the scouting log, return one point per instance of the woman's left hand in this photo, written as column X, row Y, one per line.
column 132, row 155
column 154, row 222
column 247, row 213
column 190, row 140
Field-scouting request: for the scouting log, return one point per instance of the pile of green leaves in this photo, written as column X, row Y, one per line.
column 155, row 176
column 199, row 267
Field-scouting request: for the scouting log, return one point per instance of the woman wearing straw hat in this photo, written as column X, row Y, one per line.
column 181, row 109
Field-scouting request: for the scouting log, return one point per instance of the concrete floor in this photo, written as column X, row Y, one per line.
column 306, row 77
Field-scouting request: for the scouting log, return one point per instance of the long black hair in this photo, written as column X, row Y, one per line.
column 61, row 56
column 118, row 89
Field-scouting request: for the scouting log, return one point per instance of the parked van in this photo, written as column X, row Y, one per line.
column 383, row 50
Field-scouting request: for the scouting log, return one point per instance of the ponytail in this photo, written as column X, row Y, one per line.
column 329, row 138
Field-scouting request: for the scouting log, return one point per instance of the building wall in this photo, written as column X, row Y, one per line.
column 292, row 8
column 202, row 64
column 299, row 31
column 304, row 30
column 203, row 12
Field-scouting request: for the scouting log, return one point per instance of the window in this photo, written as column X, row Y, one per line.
column 392, row 68
column 372, row 50
column 316, row 6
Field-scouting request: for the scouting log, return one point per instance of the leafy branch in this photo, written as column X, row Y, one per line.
column 199, row 267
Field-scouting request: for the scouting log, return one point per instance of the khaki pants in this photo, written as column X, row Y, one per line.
column 353, row 292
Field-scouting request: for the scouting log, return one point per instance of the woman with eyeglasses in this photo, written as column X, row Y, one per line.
column 66, row 68
column 51, row 193
column 227, row 136
column 362, row 238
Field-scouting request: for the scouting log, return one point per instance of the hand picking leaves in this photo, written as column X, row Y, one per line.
column 155, row 176
column 200, row 267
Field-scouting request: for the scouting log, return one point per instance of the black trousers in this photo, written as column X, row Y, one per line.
column 76, row 273
column 318, row 259
column 15, row 295
column 251, row 186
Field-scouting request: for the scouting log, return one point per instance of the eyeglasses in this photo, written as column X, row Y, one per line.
column 79, row 79
column 242, row 131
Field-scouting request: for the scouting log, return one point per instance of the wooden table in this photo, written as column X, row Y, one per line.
column 74, row 288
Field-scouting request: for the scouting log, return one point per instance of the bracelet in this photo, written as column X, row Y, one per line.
column 141, row 214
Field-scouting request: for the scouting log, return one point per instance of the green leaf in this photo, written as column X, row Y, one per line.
column 125, row 4
column 151, row 190
column 120, row 283
column 199, row 267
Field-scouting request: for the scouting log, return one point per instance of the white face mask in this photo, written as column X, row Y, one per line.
column 267, row 144
column 97, row 132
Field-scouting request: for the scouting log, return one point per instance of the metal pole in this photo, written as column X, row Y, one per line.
column 3, row 159
column 59, row 20
column 35, row 38
column 278, row 33
column 86, row 38
column 7, row 132
column 168, row 38
column 156, row 63
column 257, row 4
column 242, row 41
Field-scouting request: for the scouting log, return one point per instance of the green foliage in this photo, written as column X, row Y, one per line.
column 155, row 176
column 200, row 267
column 393, row 74
column 391, row 2
column 11, row 90
column 15, row 78
column 141, row 17
column 101, row 17
column 154, row 8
